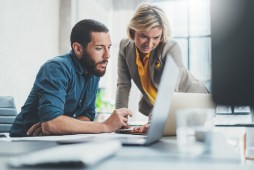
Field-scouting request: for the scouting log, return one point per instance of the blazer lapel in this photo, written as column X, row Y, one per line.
column 131, row 62
column 156, row 66
column 152, row 61
column 133, row 69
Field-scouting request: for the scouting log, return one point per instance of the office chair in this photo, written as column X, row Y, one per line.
column 8, row 113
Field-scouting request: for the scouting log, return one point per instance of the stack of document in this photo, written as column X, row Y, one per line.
column 85, row 154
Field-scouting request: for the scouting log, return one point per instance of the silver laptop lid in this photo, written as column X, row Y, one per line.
column 163, row 100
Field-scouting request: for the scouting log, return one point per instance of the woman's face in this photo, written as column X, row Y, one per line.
column 147, row 41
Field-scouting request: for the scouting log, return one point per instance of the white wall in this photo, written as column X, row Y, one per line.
column 29, row 36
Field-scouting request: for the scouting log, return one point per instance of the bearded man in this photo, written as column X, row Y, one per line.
column 62, row 100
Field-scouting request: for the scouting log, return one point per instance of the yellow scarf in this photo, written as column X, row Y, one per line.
column 143, row 71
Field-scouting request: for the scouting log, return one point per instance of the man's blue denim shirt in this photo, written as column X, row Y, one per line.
column 60, row 88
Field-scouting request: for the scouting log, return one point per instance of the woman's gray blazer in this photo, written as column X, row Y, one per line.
column 127, row 71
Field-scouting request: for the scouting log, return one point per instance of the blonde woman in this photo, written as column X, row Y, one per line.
column 142, row 57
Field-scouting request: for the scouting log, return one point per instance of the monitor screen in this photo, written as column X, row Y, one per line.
column 232, row 36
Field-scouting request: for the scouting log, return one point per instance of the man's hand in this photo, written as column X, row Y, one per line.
column 118, row 119
column 141, row 129
column 35, row 130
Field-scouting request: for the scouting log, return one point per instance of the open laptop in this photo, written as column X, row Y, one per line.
column 161, row 107
column 186, row 101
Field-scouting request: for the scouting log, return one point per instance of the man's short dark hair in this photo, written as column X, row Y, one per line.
column 81, row 32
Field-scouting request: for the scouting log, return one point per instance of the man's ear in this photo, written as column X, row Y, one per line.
column 78, row 49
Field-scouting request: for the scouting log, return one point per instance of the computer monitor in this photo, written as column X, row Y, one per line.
column 232, row 37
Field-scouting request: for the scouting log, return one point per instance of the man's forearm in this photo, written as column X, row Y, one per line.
column 83, row 118
column 67, row 125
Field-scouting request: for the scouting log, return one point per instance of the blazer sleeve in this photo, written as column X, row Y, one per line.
column 187, row 82
column 124, row 78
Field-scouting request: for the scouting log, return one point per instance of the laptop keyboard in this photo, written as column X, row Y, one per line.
column 128, row 131
column 233, row 110
column 233, row 115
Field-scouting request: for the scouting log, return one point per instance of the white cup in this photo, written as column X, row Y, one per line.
column 194, row 130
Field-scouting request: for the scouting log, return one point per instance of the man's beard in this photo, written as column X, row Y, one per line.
column 90, row 65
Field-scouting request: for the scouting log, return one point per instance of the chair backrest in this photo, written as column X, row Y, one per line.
column 8, row 113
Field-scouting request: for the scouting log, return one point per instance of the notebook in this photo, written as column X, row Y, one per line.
column 161, row 107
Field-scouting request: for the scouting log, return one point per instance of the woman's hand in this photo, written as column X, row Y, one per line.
column 141, row 129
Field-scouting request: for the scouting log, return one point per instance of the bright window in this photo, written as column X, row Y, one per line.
column 190, row 25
